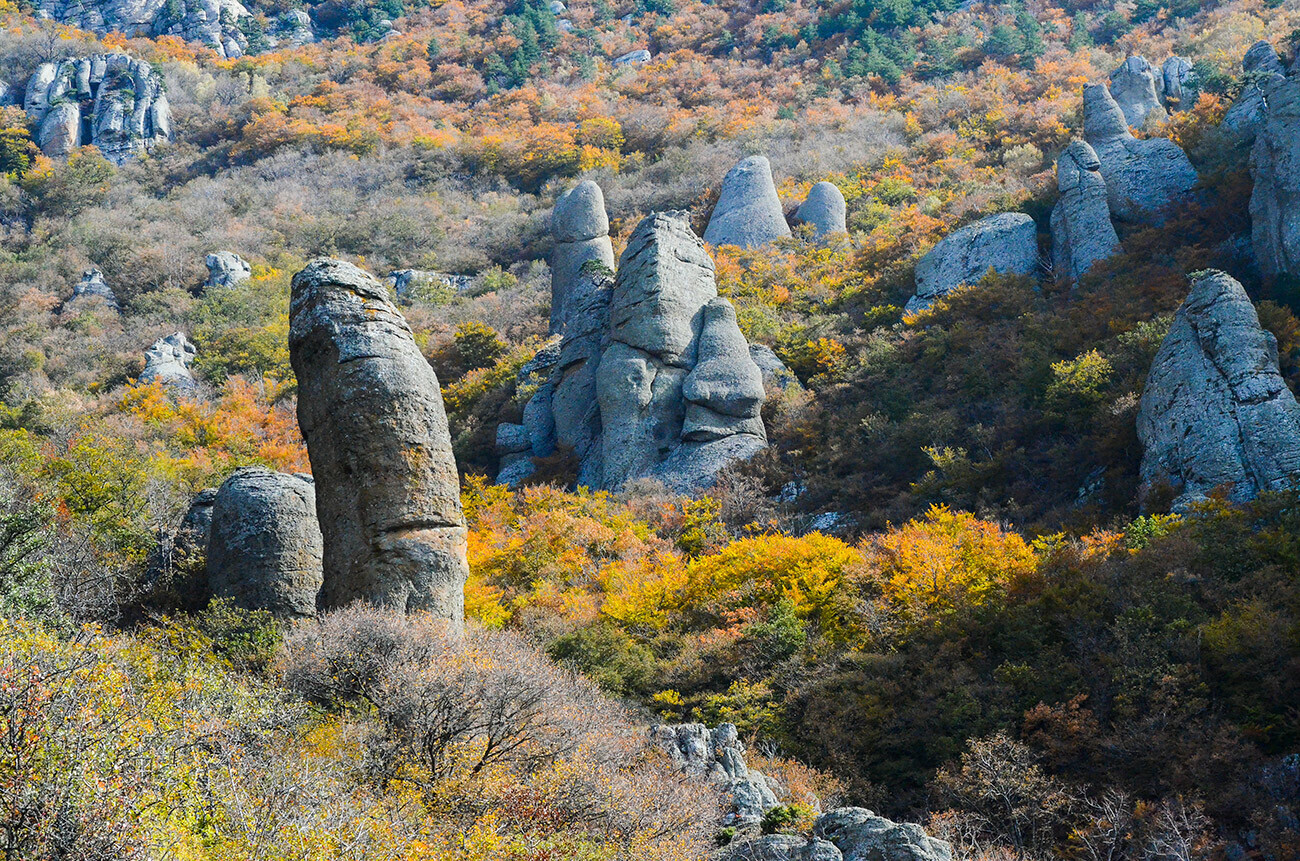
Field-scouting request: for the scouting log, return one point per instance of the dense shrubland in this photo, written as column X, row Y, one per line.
column 992, row 619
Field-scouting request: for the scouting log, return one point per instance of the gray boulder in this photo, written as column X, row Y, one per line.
column 1133, row 85
column 1215, row 411
column 91, row 289
column 775, row 373
column 662, row 303
column 176, row 574
column 1007, row 243
column 824, row 209
column 1261, row 67
column 1274, row 219
column 1175, row 76
column 168, row 361
column 226, row 269
column 214, row 23
column 633, row 58
column 718, row 755
column 748, row 212
column 780, row 847
column 1143, row 177
column 861, row 835
column 371, row 412
column 294, row 28
column 110, row 101
column 1082, row 232
column 514, row 453
column 265, row 548
column 414, row 285
column 583, row 256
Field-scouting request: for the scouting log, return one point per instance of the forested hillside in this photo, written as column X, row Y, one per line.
column 1015, row 559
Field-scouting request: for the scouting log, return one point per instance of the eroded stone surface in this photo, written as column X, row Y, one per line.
column 168, row 361
column 748, row 212
column 1275, row 168
column 1215, row 411
column 1133, row 85
column 824, row 209
column 1082, row 233
column 214, row 23
column 371, row 411
column 1007, row 243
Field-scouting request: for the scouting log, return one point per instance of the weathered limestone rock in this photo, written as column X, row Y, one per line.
column 515, row 453
column 583, row 256
column 91, row 290
column 214, row 23
column 748, row 212
column 413, row 285
column 861, row 835
column 1175, row 75
column 638, row 57
column 668, row 328
column 1215, row 411
column 780, row 847
column 110, row 101
column 265, row 548
column 775, row 373
column 824, row 209
column 226, row 269
column 168, row 361
column 1143, row 177
column 371, row 411
column 1275, row 167
column 1082, row 232
column 294, row 28
column 718, row 756
column 1261, row 67
column 1133, row 86
column 1007, row 243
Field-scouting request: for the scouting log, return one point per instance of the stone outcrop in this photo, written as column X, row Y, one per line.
column 679, row 394
column 1007, row 243
column 1275, row 168
column 1143, row 177
column 226, row 269
column 214, row 23
column 168, row 361
column 780, row 847
column 1082, row 232
column 583, row 256
column 110, row 101
column 1261, row 68
column 91, row 290
column 1215, row 411
column 748, row 212
column 861, row 835
column 718, row 755
column 371, row 411
column 294, row 28
column 638, row 57
column 1175, row 76
column 414, row 285
column 264, row 550
column 775, row 373
column 1133, row 86
column 824, row 209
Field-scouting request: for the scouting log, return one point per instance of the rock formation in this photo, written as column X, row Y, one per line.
column 679, row 394
column 1133, row 86
column 633, row 58
column 214, row 23
column 226, row 269
column 824, row 209
column 1006, row 243
column 294, row 28
column 718, row 756
column 748, row 212
column 1082, row 232
column 1261, row 67
column 780, row 847
column 110, row 101
column 168, row 361
column 861, row 835
column 371, row 411
column 775, row 373
column 582, row 256
column 1215, row 411
column 414, row 285
column 1143, row 177
column 1275, row 168
column 90, row 290
column 264, row 552
column 1175, row 75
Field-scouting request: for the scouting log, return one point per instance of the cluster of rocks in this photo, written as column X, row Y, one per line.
column 218, row 24
column 92, row 291
column 411, row 285
column 1271, row 123
column 168, row 362
column 110, row 101
column 651, row 375
column 844, row 834
column 226, row 269
column 748, row 213
column 1109, row 176
column 1215, row 411
column 380, row 518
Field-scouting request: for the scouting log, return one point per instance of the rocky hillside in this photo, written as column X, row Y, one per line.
column 666, row 430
